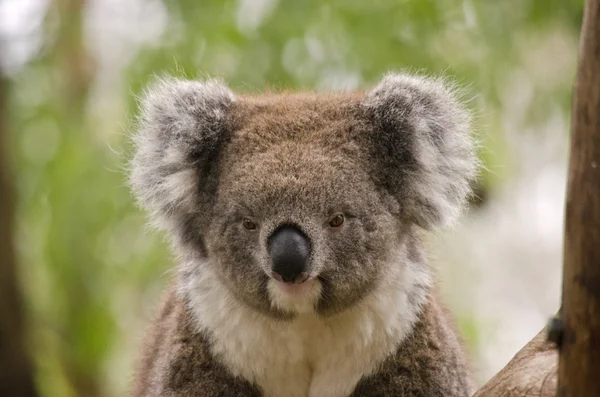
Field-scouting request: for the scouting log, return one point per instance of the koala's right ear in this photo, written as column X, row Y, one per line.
column 181, row 126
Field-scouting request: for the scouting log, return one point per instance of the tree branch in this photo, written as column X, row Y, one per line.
column 531, row 373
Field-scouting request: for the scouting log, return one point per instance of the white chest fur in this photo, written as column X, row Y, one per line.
column 310, row 356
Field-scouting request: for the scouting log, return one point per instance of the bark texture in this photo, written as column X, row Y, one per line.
column 531, row 373
column 580, row 351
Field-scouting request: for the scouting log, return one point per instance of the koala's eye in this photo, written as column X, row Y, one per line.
column 337, row 220
column 248, row 224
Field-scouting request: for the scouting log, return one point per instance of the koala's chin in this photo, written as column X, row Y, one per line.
column 298, row 221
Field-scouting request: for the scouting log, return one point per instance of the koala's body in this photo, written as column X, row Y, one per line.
column 297, row 220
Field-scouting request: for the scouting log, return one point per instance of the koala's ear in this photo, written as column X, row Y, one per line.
column 423, row 151
column 181, row 126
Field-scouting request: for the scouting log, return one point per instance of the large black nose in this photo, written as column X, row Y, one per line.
column 290, row 250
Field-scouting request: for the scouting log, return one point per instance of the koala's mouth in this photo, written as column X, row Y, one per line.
column 295, row 298
column 298, row 289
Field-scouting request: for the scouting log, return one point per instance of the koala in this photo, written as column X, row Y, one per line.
column 298, row 220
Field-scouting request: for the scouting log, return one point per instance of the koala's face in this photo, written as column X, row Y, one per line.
column 302, row 202
column 298, row 223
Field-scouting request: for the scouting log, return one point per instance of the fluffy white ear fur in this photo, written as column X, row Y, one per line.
column 180, row 123
column 418, row 118
column 425, row 132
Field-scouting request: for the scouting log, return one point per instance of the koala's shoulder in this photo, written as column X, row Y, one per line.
column 178, row 361
column 429, row 363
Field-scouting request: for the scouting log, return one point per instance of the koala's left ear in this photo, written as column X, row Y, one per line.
column 181, row 127
column 423, row 151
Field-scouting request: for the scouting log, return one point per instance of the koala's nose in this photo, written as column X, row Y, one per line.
column 290, row 250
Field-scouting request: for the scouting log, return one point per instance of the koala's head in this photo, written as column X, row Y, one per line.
column 301, row 201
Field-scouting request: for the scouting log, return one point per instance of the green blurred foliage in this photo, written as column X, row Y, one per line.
column 91, row 270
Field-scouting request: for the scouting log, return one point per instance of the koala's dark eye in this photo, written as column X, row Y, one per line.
column 337, row 220
column 248, row 224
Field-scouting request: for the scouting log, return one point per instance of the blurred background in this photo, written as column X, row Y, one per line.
column 91, row 272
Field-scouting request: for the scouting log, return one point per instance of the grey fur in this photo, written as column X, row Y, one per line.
column 181, row 122
column 392, row 161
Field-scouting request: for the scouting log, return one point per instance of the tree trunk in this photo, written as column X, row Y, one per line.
column 16, row 377
column 579, row 368
column 533, row 371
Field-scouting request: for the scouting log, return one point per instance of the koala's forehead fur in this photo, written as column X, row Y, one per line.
column 300, row 153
